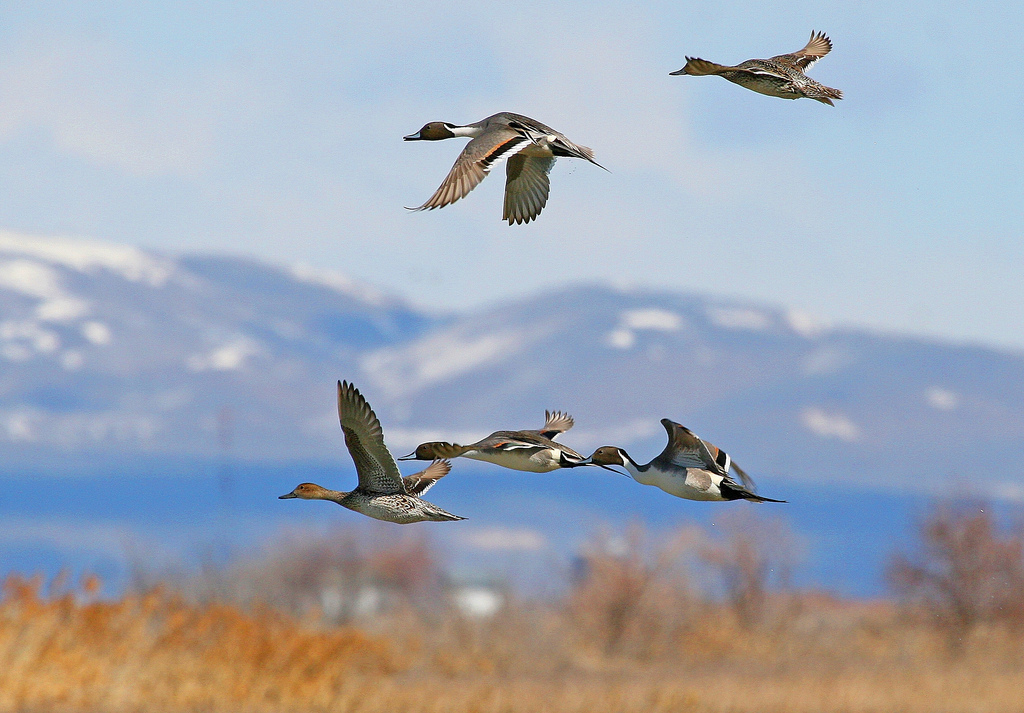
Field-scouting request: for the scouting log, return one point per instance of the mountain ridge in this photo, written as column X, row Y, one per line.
column 115, row 352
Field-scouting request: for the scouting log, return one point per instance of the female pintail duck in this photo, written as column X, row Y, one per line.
column 689, row 468
column 532, row 451
column 529, row 147
column 781, row 76
column 382, row 492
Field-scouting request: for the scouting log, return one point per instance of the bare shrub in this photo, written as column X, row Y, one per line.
column 337, row 576
column 965, row 572
column 630, row 595
column 753, row 557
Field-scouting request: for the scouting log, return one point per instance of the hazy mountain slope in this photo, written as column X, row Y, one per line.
column 108, row 351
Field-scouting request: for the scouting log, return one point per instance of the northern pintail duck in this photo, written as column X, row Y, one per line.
column 780, row 76
column 689, row 468
column 528, row 146
column 532, row 451
column 382, row 493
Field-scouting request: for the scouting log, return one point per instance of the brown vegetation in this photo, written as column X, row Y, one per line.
column 966, row 574
column 632, row 634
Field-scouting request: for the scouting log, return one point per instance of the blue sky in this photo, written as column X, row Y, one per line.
column 275, row 129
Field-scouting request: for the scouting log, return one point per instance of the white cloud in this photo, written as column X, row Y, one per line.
column 826, row 360
column 97, row 332
column 227, row 357
column 440, row 357
column 505, row 539
column 941, row 399
column 805, row 324
column 339, row 283
column 829, row 424
column 79, row 254
column 661, row 320
column 23, row 338
column 740, row 318
column 620, row 339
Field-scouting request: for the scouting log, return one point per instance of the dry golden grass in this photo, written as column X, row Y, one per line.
column 631, row 635
column 155, row 652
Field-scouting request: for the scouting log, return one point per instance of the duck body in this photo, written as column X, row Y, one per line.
column 382, row 493
column 688, row 468
column 530, row 451
column 528, row 147
column 781, row 76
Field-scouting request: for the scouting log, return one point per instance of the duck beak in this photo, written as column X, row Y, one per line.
column 289, row 496
column 414, row 137
column 606, row 467
column 411, row 456
column 677, row 72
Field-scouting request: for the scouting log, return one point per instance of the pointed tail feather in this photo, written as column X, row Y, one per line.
column 826, row 94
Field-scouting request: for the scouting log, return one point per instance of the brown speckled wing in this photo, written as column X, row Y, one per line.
column 419, row 483
column 364, row 437
column 817, row 47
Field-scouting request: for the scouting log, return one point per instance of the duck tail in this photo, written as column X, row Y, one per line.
column 734, row 491
column 697, row 67
column 436, row 514
column 826, row 94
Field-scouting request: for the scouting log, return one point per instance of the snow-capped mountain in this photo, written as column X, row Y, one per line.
column 112, row 350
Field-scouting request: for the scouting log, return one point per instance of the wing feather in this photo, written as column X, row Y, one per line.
column 526, row 187
column 364, row 437
column 473, row 165
column 419, row 483
column 556, row 422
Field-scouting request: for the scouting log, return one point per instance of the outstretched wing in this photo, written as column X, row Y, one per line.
column 364, row 437
column 556, row 422
column 419, row 483
column 817, row 47
column 687, row 450
column 526, row 187
column 473, row 164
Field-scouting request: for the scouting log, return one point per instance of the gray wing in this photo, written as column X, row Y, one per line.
column 419, row 483
column 526, row 187
column 747, row 481
column 542, row 134
column 556, row 422
column 474, row 163
column 686, row 449
column 817, row 47
column 365, row 440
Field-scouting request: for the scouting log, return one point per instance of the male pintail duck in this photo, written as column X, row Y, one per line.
column 529, row 147
column 780, row 76
column 382, row 492
column 689, row 468
column 532, row 451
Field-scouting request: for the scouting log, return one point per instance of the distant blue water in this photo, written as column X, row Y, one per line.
column 168, row 512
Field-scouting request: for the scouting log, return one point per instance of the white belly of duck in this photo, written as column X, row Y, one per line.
column 689, row 484
column 531, row 460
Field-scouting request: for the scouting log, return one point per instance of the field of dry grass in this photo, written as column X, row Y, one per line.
column 155, row 652
column 631, row 634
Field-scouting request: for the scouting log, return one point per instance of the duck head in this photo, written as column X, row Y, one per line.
column 435, row 450
column 306, row 491
column 608, row 455
column 434, row 131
